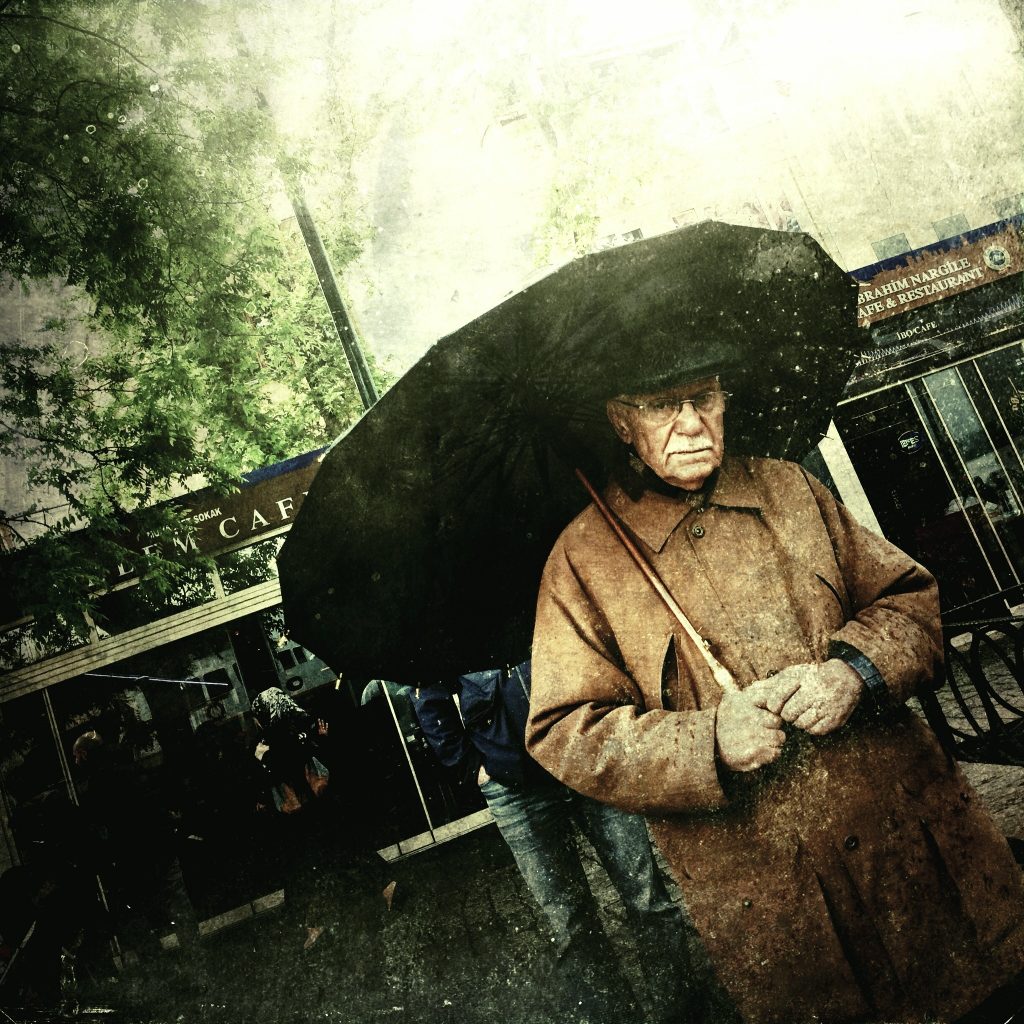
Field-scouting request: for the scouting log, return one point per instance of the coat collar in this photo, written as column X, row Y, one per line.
column 655, row 514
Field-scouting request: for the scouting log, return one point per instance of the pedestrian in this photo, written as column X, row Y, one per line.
column 133, row 816
column 834, row 859
column 332, row 885
column 535, row 815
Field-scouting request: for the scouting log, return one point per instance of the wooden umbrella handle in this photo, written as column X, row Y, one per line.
column 722, row 675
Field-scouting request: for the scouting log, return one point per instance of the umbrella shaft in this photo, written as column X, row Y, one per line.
column 721, row 674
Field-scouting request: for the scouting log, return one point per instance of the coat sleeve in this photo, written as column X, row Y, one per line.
column 894, row 602
column 442, row 726
column 588, row 726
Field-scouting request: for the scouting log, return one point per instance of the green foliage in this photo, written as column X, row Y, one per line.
column 138, row 175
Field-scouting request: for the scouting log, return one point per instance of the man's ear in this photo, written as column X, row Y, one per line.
column 617, row 418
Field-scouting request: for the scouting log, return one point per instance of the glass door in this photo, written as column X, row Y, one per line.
column 898, row 455
column 973, row 413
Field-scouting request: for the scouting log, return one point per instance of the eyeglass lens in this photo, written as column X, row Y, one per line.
column 667, row 409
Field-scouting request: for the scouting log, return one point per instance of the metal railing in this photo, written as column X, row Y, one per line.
column 978, row 711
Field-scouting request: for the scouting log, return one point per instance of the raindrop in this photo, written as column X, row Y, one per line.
column 66, row 137
column 15, row 48
column 798, row 368
column 110, row 115
column 122, row 119
column 90, row 129
column 178, row 149
column 776, row 389
column 85, row 159
column 143, row 184
column 155, row 87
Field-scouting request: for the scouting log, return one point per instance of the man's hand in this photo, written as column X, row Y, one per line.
column 747, row 734
column 816, row 698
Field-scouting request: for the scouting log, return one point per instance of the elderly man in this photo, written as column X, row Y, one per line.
column 834, row 860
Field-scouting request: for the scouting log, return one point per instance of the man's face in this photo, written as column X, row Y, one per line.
column 683, row 447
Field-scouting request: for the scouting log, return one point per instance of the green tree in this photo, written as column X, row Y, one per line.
column 138, row 176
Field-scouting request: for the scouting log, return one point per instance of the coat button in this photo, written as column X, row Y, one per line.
column 748, row 904
column 697, row 530
column 771, row 672
column 851, row 842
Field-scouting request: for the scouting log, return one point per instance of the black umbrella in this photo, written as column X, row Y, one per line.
column 419, row 548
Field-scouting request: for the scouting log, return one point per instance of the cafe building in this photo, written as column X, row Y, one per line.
column 172, row 686
column 933, row 418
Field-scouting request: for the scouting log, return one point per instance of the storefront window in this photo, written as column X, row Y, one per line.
column 978, row 474
column 32, row 782
column 1000, row 377
column 176, row 720
column 907, row 484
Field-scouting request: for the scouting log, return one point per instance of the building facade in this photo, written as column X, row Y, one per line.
column 171, row 687
column 933, row 419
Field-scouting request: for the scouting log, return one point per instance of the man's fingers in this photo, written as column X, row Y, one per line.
column 807, row 719
column 822, row 727
column 773, row 693
column 792, row 711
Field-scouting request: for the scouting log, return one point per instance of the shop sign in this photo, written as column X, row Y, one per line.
column 931, row 336
column 935, row 272
column 214, row 523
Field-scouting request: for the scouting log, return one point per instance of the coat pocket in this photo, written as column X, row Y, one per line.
column 478, row 698
column 838, row 591
column 836, row 600
column 678, row 691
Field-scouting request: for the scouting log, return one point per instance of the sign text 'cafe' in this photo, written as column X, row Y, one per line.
column 216, row 523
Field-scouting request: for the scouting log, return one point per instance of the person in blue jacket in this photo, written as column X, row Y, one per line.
column 534, row 813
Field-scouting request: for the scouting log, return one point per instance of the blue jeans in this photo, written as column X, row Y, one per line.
column 535, row 822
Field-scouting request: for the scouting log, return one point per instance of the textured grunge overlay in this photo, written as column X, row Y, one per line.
column 227, row 227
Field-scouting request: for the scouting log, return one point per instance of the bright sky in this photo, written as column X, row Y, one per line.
column 865, row 120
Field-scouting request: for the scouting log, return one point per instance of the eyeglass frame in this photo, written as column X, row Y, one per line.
column 679, row 403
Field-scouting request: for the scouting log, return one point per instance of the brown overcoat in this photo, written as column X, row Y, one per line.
column 858, row 878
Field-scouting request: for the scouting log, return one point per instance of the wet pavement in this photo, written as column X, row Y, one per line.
column 462, row 942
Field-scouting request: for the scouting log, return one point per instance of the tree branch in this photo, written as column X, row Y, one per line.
column 85, row 32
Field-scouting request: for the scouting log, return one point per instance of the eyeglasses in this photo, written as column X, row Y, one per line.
column 664, row 410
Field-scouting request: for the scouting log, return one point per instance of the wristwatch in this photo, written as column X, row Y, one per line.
column 874, row 684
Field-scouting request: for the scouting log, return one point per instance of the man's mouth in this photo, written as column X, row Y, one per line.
column 694, row 451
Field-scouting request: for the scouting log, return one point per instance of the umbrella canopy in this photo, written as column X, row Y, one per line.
column 418, row 551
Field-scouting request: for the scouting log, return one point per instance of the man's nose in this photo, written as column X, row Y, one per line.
column 688, row 420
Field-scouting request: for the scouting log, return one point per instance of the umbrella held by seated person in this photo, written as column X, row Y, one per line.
column 418, row 551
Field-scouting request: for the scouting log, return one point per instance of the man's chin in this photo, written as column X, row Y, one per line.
column 692, row 475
